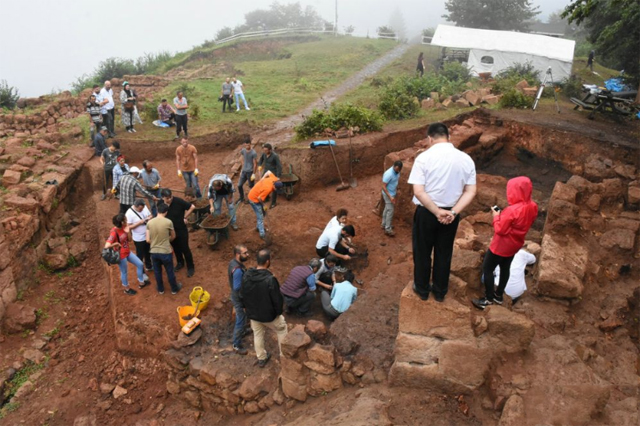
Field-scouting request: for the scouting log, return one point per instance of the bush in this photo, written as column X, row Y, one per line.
column 507, row 79
column 83, row 82
column 572, row 86
column 114, row 68
column 397, row 103
column 9, row 95
column 338, row 116
column 152, row 62
column 513, row 98
column 456, row 72
column 149, row 109
column 224, row 33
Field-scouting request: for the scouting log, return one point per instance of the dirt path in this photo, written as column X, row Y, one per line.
column 285, row 127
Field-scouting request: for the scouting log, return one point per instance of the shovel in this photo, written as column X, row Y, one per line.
column 352, row 181
column 343, row 185
column 195, row 313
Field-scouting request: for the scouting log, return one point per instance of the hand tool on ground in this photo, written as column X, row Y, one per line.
column 195, row 314
column 352, row 181
column 343, row 185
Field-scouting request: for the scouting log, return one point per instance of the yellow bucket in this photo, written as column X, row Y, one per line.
column 195, row 295
column 183, row 311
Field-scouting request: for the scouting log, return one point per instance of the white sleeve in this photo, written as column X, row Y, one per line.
column 471, row 179
column 417, row 175
column 531, row 259
column 130, row 217
column 334, row 238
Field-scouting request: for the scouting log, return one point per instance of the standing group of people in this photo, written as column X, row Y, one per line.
column 232, row 88
column 101, row 109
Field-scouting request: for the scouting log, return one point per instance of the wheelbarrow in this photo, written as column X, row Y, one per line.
column 200, row 212
column 288, row 182
column 218, row 226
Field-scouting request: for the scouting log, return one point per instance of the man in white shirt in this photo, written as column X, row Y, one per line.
column 239, row 93
column 335, row 241
column 107, row 110
column 137, row 217
column 444, row 184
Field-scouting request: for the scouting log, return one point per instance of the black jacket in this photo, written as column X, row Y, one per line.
column 260, row 294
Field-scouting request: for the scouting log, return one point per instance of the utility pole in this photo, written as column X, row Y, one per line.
column 335, row 26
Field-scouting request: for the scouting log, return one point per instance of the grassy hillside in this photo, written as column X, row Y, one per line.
column 280, row 78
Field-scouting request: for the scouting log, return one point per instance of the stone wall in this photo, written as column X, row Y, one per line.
column 218, row 380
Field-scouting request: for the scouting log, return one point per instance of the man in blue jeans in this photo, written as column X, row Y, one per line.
column 160, row 233
column 187, row 164
column 236, row 272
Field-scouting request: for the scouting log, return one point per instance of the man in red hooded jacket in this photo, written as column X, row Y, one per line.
column 510, row 226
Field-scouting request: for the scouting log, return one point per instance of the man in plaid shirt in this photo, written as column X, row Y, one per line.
column 128, row 186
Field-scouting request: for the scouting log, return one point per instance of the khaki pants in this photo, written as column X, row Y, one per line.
column 278, row 325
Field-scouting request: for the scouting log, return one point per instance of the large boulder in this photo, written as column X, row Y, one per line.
column 295, row 340
column 19, row 317
column 508, row 331
column 563, row 263
column 466, row 265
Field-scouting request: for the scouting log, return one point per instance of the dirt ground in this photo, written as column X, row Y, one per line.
column 78, row 333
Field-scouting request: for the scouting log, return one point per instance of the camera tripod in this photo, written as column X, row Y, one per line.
column 548, row 79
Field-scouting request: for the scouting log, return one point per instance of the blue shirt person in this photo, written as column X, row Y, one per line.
column 390, row 180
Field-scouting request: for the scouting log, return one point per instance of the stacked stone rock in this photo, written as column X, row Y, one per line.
column 465, row 99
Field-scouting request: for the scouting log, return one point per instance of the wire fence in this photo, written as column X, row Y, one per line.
column 388, row 36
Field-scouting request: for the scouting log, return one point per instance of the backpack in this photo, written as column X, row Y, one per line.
column 111, row 255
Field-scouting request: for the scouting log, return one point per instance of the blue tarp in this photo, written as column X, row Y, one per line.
column 616, row 85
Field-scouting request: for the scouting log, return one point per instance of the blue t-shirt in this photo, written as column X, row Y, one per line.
column 343, row 295
column 391, row 178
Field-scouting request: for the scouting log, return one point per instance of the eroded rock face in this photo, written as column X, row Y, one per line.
column 563, row 263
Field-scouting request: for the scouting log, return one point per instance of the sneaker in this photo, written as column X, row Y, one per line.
column 390, row 233
column 134, row 130
column 238, row 109
column 497, row 300
column 240, row 350
column 190, row 272
column 148, row 268
column 272, row 206
column 439, row 299
column 130, row 292
column 382, row 226
column 481, row 303
column 143, row 284
column 248, row 109
column 176, row 138
column 179, row 288
column 129, row 131
column 161, row 292
column 104, row 197
column 234, row 226
column 263, row 362
column 178, row 266
column 415, row 290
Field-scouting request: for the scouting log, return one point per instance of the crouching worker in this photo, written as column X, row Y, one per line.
column 342, row 295
column 299, row 287
column 325, row 273
column 336, row 241
column 260, row 295
column 221, row 189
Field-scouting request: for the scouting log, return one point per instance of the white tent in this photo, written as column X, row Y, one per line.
column 493, row 51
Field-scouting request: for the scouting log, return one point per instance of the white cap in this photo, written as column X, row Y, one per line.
column 134, row 169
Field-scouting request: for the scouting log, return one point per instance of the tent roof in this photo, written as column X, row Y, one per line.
column 504, row 41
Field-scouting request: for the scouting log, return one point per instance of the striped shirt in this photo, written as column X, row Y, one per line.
column 128, row 187
column 94, row 111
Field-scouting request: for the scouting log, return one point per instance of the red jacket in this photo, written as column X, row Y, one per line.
column 513, row 223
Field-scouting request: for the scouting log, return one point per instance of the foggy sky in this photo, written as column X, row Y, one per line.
column 47, row 44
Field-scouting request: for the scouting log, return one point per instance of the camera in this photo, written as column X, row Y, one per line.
column 496, row 208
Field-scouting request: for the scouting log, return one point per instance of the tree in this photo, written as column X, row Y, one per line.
column 612, row 26
column 396, row 21
column 349, row 30
column 386, row 31
column 491, row 14
column 8, row 95
column 224, row 32
column 283, row 16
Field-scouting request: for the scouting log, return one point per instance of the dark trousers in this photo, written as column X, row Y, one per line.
column 112, row 121
column 301, row 304
column 244, row 177
column 181, row 249
column 124, row 208
column 274, row 196
column 328, row 309
column 108, row 178
column 492, row 260
column 429, row 236
column 130, row 112
column 322, row 252
column 241, row 318
column 181, row 124
column 325, row 277
column 166, row 260
column 226, row 100
column 107, row 121
column 169, row 122
column 142, row 251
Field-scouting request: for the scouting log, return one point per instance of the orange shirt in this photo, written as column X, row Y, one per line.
column 187, row 162
column 262, row 189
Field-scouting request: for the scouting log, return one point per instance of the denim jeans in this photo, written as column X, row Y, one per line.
column 241, row 96
column 241, row 318
column 387, row 213
column 191, row 180
column 244, row 177
column 154, row 205
column 257, row 209
column 166, row 260
column 124, row 269
column 217, row 206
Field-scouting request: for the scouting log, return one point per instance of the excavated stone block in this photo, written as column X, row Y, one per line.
column 446, row 320
column 508, row 331
column 295, row 340
column 562, row 266
column 417, row 349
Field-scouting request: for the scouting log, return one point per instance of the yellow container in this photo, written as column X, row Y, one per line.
column 195, row 295
column 183, row 311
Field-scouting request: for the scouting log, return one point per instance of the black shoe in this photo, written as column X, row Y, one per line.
column 190, row 272
column 439, row 299
column 240, row 350
column 178, row 266
column 273, row 206
column 176, row 291
column 481, row 303
column 130, row 292
column 143, row 284
column 498, row 300
column 104, row 197
column 304, row 314
column 263, row 362
column 415, row 290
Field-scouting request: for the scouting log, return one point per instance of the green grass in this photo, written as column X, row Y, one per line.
column 367, row 94
column 580, row 69
column 275, row 88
